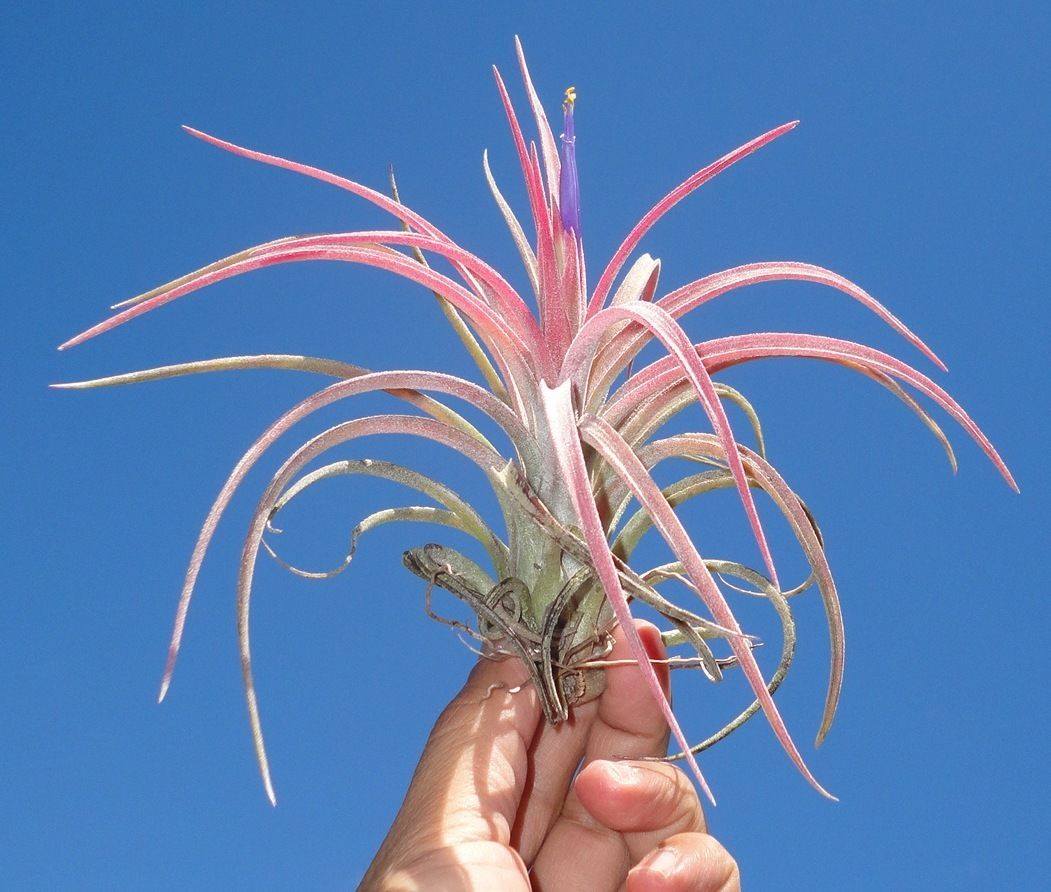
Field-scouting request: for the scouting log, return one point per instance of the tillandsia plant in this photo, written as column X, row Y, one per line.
column 584, row 431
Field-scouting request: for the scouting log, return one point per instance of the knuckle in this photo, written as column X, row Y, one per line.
column 719, row 868
column 688, row 861
column 675, row 799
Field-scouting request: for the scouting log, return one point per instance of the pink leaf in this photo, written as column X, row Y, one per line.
column 403, row 213
column 465, row 390
column 558, row 407
column 693, row 295
column 493, row 327
column 409, row 217
column 545, row 253
column 341, row 433
column 669, row 201
column 631, row 470
column 534, row 186
column 724, row 352
column 775, row 486
column 547, row 139
column 682, row 356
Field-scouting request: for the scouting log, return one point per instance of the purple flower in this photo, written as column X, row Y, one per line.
column 569, row 183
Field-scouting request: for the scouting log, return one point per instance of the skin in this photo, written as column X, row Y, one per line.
column 496, row 801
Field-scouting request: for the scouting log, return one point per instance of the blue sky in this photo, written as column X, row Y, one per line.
column 920, row 171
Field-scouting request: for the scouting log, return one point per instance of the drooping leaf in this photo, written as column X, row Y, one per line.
column 767, row 478
column 341, row 433
column 316, row 365
column 722, row 353
column 689, row 297
column 558, row 407
column 788, row 639
column 681, row 354
column 341, row 390
column 469, row 519
column 632, row 471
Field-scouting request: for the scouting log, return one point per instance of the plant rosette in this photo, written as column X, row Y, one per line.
column 584, row 427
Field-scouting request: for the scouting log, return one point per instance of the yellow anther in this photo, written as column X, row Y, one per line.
column 571, row 96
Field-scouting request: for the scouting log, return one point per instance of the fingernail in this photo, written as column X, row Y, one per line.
column 664, row 861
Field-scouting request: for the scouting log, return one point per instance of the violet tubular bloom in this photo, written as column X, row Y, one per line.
column 559, row 573
column 569, row 181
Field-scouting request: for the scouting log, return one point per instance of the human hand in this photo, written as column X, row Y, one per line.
column 493, row 804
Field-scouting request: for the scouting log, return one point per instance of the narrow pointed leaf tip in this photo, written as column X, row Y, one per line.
column 569, row 183
column 676, row 195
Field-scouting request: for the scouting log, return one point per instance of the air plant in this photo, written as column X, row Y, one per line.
column 583, row 424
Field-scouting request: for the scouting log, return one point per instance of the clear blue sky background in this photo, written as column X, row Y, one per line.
column 920, row 171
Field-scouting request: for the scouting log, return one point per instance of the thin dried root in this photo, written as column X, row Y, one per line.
column 670, row 662
column 459, row 627
column 480, row 654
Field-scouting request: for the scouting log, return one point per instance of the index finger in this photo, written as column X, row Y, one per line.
column 470, row 778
